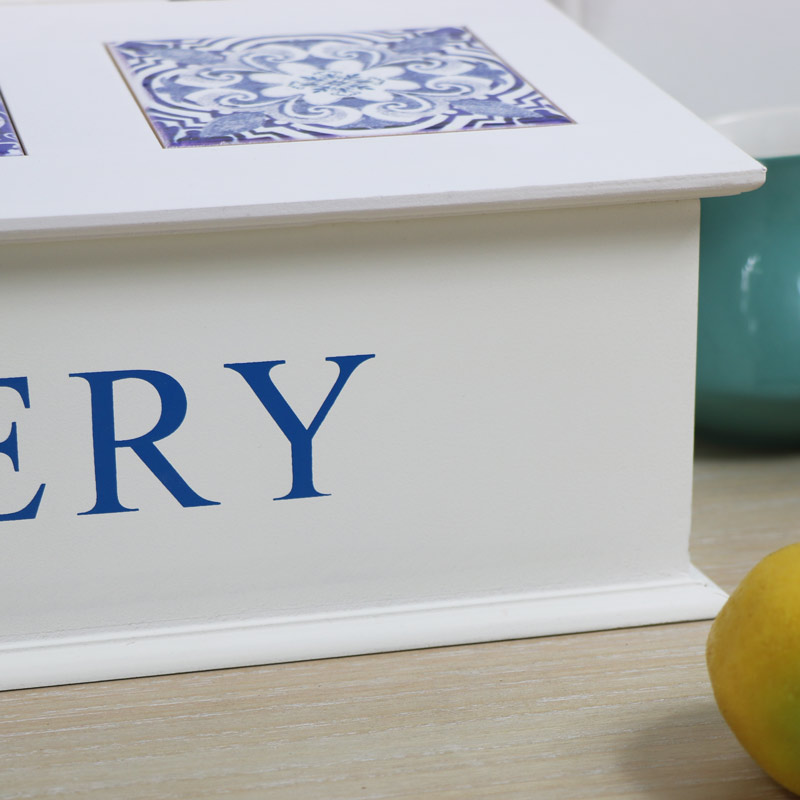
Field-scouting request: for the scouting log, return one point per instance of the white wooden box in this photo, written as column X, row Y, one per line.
column 282, row 400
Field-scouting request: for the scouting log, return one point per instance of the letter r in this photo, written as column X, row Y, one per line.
column 173, row 411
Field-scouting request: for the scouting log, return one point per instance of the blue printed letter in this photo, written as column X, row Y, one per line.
column 10, row 448
column 256, row 373
column 173, row 410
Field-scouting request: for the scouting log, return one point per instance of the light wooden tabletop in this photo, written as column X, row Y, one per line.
column 619, row 714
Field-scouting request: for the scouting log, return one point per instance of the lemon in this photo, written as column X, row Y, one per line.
column 753, row 657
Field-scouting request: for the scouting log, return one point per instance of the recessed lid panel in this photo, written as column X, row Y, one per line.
column 230, row 113
column 257, row 89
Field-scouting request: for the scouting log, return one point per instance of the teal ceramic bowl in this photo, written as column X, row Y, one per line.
column 748, row 358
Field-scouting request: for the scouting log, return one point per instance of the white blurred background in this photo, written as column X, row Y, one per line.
column 714, row 56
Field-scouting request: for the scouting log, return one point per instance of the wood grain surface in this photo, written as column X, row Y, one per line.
column 617, row 714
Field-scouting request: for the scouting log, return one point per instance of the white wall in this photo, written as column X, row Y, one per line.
column 715, row 56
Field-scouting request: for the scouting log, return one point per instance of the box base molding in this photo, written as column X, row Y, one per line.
column 167, row 650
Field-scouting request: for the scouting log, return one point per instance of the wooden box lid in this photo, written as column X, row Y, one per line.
column 221, row 114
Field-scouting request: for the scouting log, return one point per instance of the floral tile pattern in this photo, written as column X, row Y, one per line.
column 276, row 88
column 9, row 141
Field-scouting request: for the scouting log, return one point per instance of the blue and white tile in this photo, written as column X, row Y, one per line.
column 10, row 144
column 228, row 90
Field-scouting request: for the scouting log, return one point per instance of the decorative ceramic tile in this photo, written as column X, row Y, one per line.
column 9, row 141
column 231, row 90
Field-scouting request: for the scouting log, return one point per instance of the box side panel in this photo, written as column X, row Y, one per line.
column 521, row 427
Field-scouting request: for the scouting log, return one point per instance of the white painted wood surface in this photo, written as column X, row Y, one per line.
column 487, row 469
column 90, row 172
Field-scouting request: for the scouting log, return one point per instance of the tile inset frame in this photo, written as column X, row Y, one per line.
column 228, row 90
column 10, row 143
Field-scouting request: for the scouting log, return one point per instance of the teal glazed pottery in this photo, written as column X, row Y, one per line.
column 748, row 359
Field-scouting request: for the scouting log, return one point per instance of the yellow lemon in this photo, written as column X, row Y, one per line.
column 753, row 658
